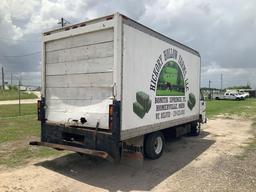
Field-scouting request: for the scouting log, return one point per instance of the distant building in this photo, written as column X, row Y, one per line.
column 22, row 88
column 28, row 88
column 38, row 89
column 5, row 87
column 32, row 88
column 252, row 93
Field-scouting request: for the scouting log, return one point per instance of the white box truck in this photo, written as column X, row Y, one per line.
column 111, row 85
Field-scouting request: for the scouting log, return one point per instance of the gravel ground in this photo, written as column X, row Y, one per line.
column 206, row 163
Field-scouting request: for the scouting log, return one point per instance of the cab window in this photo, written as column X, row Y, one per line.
column 201, row 96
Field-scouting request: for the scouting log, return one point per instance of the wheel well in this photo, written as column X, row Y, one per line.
column 200, row 118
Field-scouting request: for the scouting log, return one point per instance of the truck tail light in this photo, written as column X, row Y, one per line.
column 110, row 121
column 38, row 110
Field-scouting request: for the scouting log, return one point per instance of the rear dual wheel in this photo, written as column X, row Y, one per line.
column 154, row 145
column 195, row 128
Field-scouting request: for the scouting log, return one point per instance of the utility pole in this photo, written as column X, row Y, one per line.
column 3, row 78
column 19, row 98
column 221, row 81
column 11, row 78
column 210, row 84
column 210, row 95
column 63, row 22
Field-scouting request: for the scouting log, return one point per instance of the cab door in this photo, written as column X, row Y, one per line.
column 202, row 109
column 226, row 96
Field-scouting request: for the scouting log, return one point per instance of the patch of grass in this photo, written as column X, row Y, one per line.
column 160, row 92
column 13, row 110
column 18, row 128
column 250, row 145
column 24, row 154
column 14, row 127
column 244, row 108
column 15, row 134
column 14, row 95
column 229, row 109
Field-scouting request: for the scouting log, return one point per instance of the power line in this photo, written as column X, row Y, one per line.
column 9, row 39
column 7, row 64
column 63, row 22
column 25, row 55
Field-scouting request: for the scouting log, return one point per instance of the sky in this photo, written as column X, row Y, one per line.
column 222, row 31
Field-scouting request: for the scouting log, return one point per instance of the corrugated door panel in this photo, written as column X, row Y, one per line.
column 95, row 65
column 81, row 40
column 90, row 93
column 104, row 49
column 80, row 80
column 65, row 105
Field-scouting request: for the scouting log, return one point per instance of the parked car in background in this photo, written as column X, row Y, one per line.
column 229, row 95
column 244, row 94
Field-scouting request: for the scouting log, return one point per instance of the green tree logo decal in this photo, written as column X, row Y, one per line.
column 170, row 81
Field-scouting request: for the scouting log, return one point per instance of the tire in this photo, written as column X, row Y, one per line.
column 195, row 129
column 154, row 145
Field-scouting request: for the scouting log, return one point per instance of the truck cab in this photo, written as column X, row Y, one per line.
column 203, row 118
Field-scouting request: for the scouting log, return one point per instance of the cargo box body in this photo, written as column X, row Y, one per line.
column 166, row 72
column 89, row 66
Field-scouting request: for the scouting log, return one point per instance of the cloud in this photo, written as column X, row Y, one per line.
column 222, row 31
column 6, row 24
column 23, row 21
column 50, row 12
column 22, row 9
column 231, row 76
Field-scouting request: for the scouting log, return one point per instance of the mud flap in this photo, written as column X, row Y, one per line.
column 132, row 153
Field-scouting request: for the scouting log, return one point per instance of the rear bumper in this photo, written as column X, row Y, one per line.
column 81, row 140
column 96, row 153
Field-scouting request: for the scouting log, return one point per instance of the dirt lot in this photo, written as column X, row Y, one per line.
column 214, row 161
